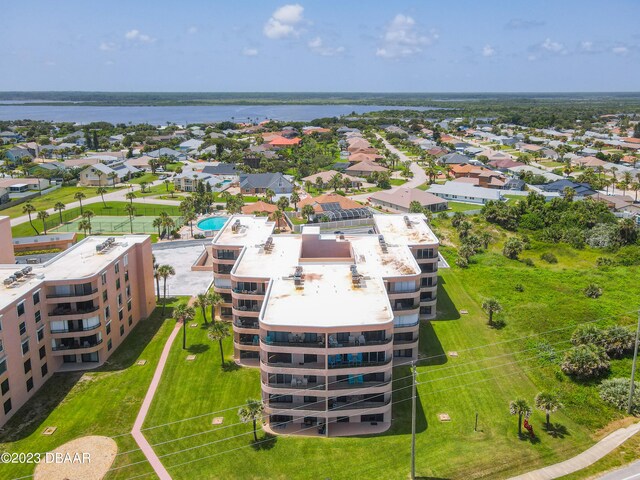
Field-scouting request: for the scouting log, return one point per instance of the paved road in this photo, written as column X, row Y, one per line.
column 117, row 196
column 419, row 175
column 630, row 472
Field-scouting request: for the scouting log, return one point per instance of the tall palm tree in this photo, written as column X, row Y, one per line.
column 202, row 302
column 59, row 207
column 165, row 271
column 84, row 225
column 113, row 176
column 278, row 216
column 214, row 299
column 491, row 306
column 184, row 313
column 131, row 210
column 130, row 196
column 188, row 217
column 29, row 209
column 218, row 331
column 156, row 276
column 88, row 215
column 548, row 403
column 251, row 412
column 522, row 409
column 42, row 215
column 79, row 196
column 157, row 223
column 295, row 198
column 101, row 191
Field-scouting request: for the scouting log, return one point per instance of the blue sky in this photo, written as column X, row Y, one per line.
column 347, row 45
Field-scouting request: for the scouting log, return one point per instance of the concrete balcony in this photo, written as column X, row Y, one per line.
column 298, row 368
column 73, row 314
column 244, row 311
column 71, row 349
column 294, row 389
column 62, row 332
column 246, row 345
column 77, row 297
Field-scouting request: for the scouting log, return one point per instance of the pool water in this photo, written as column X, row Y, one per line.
column 212, row 223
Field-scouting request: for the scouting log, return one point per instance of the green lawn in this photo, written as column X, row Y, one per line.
column 397, row 181
column 63, row 194
column 100, row 402
column 463, row 207
column 147, row 178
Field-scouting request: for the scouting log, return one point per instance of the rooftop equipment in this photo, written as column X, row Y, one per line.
column 383, row 244
column 408, row 222
column 236, row 226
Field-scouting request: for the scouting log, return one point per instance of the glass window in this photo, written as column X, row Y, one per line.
column 107, row 313
column 121, row 330
column 7, row 406
column 3, row 366
column 108, row 328
column 117, row 267
column 130, row 320
column 1, row 346
column 38, row 316
column 118, row 283
column 25, row 347
column 105, row 296
column 120, row 314
column 42, row 352
column 40, row 334
column 44, row 370
column 119, row 299
column 23, row 328
column 27, row 366
column 36, row 297
column 109, row 345
column 129, row 306
column 29, row 384
column 4, row 386
column 104, row 278
column 125, row 259
column 20, row 308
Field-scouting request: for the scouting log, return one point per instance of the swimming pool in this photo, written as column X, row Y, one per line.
column 212, row 223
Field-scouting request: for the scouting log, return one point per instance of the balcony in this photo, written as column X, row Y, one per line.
column 248, row 292
column 294, row 340
column 247, row 325
column 275, row 367
column 248, row 308
column 355, row 360
column 76, row 293
column 84, row 345
column 359, row 341
column 357, row 404
column 295, row 384
column 357, row 383
column 60, row 311
column 76, row 329
column 320, row 405
column 401, row 307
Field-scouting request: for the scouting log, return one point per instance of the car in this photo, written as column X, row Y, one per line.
column 338, row 232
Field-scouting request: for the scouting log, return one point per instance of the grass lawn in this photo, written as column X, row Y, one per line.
column 63, row 194
column 104, row 401
column 397, row 181
column 551, row 164
column 463, row 207
column 147, row 178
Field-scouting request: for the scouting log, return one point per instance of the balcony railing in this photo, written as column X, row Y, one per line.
column 309, row 365
column 355, row 363
column 73, row 294
column 76, row 346
column 248, row 292
column 293, row 343
column 245, row 308
column 401, row 308
column 301, row 385
column 71, row 330
column 359, row 342
column 410, row 290
column 318, row 406
column 241, row 324
column 69, row 311
column 356, row 404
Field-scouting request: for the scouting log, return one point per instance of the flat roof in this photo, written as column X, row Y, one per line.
column 396, row 231
column 253, row 230
column 327, row 299
column 75, row 263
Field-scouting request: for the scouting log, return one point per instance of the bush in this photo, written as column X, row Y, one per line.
column 549, row 257
column 593, row 291
column 546, row 353
column 528, row 262
column 199, row 236
column 585, row 362
column 615, row 392
column 512, row 248
column 587, row 334
column 38, row 252
column 518, row 287
column 604, row 262
column 618, row 341
column 462, row 262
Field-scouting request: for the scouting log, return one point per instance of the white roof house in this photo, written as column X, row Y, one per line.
column 466, row 193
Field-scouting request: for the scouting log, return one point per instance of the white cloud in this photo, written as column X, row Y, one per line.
column 107, row 46
column 488, row 51
column 403, row 39
column 553, row 47
column 284, row 22
column 620, row 50
column 137, row 36
column 193, row 29
column 249, row 52
column 316, row 45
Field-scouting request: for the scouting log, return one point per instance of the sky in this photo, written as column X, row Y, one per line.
column 321, row 45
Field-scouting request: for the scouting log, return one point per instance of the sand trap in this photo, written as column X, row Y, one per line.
column 99, row 453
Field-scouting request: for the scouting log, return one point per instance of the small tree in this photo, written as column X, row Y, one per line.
column 79, row 196
column 307, row 211
column 101, row 191
column 415, row 207
column 59, row 207
column 218, row 331
column 295, row 198
column 521, row 409
column 165, row 271
column 585, row 361
column 252, row 412
column 29, row 209
column 491, row 306
column 512, row 248
column 202, row 302
column 593, row 290
column 184, row 313
column 214, row 299
column 43, row 215
column 548, row 403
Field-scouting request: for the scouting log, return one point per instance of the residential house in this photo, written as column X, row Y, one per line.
column 401, row 199
column 326, row 176
column 462, row 192
column 365, row 169
column 255, row 183
column 334, row 207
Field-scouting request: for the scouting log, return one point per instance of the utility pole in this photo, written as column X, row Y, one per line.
column 413, row 421
column 633, row 367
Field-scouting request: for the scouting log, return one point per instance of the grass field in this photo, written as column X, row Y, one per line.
column 463, row 207
column 115, row 224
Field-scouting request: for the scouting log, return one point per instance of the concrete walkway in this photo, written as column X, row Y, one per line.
column 142, row 442
column 586, row 458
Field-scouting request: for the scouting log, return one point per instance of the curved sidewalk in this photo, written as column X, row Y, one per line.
column 142, row 442
column 586, row 458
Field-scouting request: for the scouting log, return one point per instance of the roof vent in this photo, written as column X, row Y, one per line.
column 268, row 246
column 407, row 222
column 236, row 226
column 383, row 244
column 298, row 277
column 356, row 278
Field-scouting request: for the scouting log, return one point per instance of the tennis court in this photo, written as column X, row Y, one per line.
column 116, row 224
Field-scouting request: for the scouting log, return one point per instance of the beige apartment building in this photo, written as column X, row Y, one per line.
column 70, row 313
column 326, row 317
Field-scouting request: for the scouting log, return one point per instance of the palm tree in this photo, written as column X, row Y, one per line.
column 143, row 186
column 156, row 275
column 278, row 216
column 59, row 207
column 202, row 302
column 295, row 198
column 84, row 225
column 113, row 176
column 215, row 299
column 79, row 196
column 165, row 271
column 131, row 210
column 184, row 313
column 130, row 196
column 548, row 403
column 491, row 306
column 157, row 223
column 251, row 412
column 522, row 409
column 42, row 215
column 166, row 184
column 307, row 211
column 29, row 209
column 188, row 217
column 88, row 215
column 269, row 194
column 101, row 191
column 217, row 332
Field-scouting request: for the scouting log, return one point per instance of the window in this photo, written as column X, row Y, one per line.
column 40, row 334
column 117, row 267
column 42, row 352
column 130, row 320
column 107, row 313
column 36, row 297
column 44, row 370
column 128, row 291
column 38, row 316
column 119, row 299
column 3, row 366
column 30, row 384
column 129, row 306
column 27, row 366
column 20, row 308
column 4, row 386
column 25, row 347
column 105, row 296
column 23, row 328
column 1, row 346
column 121, row 330
column 104, row 278
column 108, row 328
column 378, row 417
column 7, row 406
column 109, row 345
column 118, row 283
column 126, row 275
column 120, row 314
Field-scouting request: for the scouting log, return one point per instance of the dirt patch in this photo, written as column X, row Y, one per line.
column 86, row 458
column 613, row 426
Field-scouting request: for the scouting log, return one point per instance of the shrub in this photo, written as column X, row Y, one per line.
column 199, row 236
column 512, row 248
column 604, row 262
column 546, row 353
column 549, row 257
column 593, row 290
column 38, row 252
column 443, row 216
column 518, row 287
column 462, row 262
column 615, row 391
column 585, row 362
column 617, row 341
column 587, row 334
column 528, row 262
